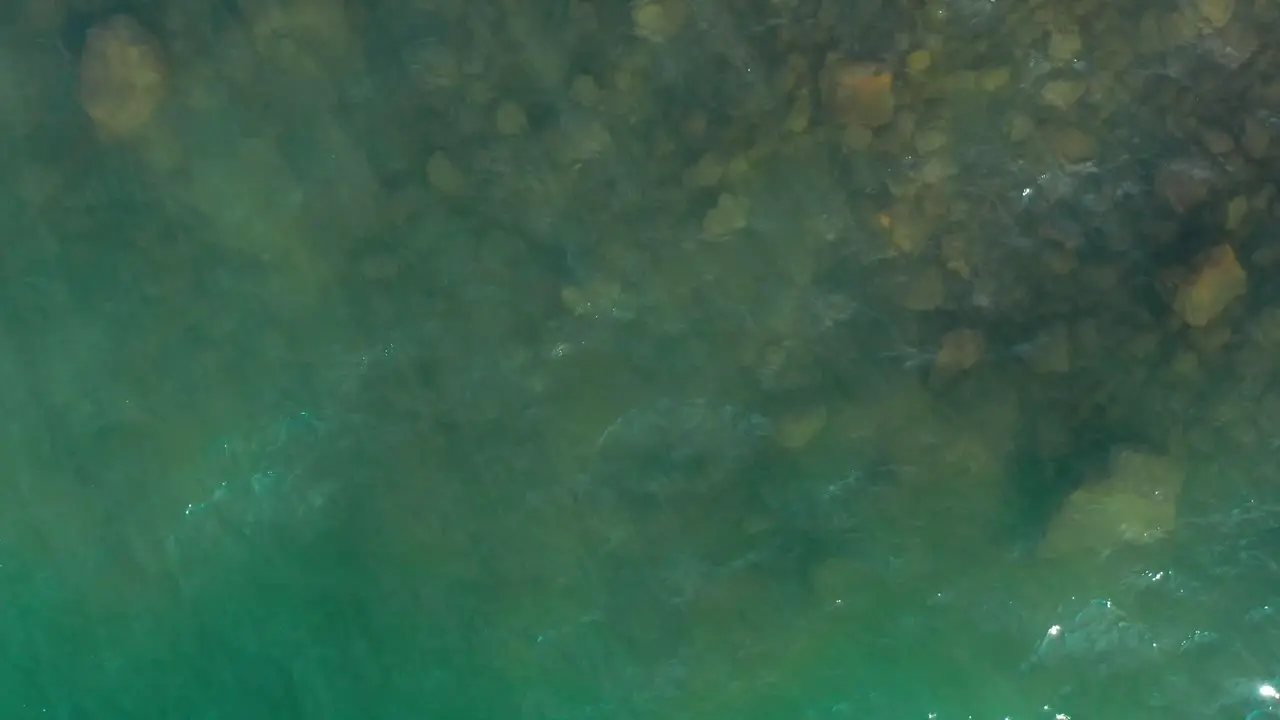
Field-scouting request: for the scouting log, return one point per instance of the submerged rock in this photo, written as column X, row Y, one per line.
column 123, row 78
column 676, row 448
column 1134, row 504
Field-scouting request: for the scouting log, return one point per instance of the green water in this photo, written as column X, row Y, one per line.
column 331, row 388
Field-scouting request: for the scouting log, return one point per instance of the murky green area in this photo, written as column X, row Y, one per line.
column 668, row 359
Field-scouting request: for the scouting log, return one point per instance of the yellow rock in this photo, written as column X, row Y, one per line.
column 585, row 91
column 919, row 61
column 658, row 20
column 797, row 428
column 123, row 77
column 444, row 176
column 1072, row 144
column 650, row 20
column 801, row 112
column 960, row 350
column 1064, row 45
column 1217, row 280
column 704, row 173
column 909, row 230
column 1216, row 12
column 510, row 119
column 727, row 217
column 1062, row 94
column 954, row 249
column 930, row 139
column 738, row 168
column 1136, row 503
column 1020, row 127
column 1236, row 210
column 993, row 79
column 937, row 169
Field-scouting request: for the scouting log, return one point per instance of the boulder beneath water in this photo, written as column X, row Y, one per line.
column 1134, row 503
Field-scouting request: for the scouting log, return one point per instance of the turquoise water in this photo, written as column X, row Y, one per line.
column 389, row 360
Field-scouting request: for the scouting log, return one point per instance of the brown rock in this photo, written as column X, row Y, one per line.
column 1184, row 183
column 1218, row 142
column 122, row 76
column 960, row 350
column 1072, row 144
column 1217, row 280
column 857, row 92
column 910, row 228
